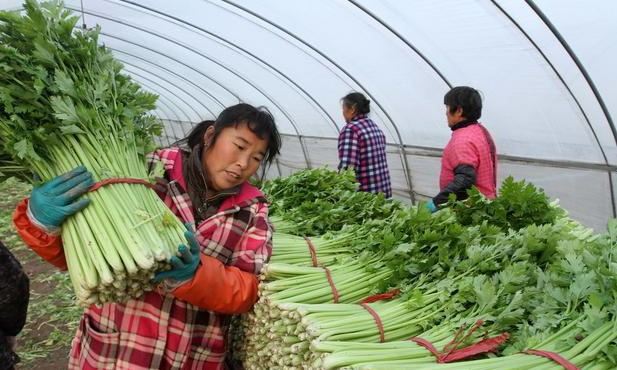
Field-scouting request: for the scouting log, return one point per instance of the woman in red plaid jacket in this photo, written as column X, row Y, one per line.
column 205, row 185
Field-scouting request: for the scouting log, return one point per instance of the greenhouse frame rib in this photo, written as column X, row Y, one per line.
column 176, row 92
column 351, row 77
column 286, row 78
column 208, row 77
column 572, row 95
column 151, row 81
column 197, row 114
column 404, row 40
column 261, row 91
column 589, row 81
column 579, row 65
column 559, row 76
column 205, row 92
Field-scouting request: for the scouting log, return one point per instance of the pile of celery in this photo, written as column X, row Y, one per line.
column 525, row 268
column 65, row 103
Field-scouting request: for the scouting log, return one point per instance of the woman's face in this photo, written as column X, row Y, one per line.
column 454, row 118
column 234, row 157
column 348, row 113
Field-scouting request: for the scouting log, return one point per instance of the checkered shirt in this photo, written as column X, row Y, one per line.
column 471, row 145
column 160, row 331
column 362, row 145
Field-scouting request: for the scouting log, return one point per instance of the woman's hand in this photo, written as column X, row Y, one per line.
column 52, row 202
column 183, row 267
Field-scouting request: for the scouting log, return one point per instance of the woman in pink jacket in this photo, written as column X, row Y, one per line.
column 470, row 158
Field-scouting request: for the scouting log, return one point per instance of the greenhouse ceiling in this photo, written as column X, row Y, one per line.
column 544, row 67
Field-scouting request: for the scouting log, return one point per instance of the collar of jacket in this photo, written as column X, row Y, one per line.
column 358, row 117
column 463, row 123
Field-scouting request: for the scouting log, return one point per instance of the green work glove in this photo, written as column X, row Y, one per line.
column 183, row 267
column 52, row 202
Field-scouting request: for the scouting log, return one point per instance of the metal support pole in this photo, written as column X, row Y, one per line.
column 278, row 167
column 305, row 152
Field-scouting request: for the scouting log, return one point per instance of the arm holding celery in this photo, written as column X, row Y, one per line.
column 39, row 217
column 230, row 290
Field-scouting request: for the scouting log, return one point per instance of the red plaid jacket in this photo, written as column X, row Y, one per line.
column 185, row 329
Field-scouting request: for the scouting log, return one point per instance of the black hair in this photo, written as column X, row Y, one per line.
column 357, row 100
column 196, row 136
column 467, row 98
column 257, row 119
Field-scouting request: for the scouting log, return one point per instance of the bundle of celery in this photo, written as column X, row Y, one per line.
column 525, row 296
column 64, row 103
column 325, row 250
column 352, row 281
column 308, row 185
column 315, row 201
column 529, row 271
column 296, row 319
column 568, row 307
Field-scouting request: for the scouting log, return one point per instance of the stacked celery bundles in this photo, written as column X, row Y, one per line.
column 64, row 103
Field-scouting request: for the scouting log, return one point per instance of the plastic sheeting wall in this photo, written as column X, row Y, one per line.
column 578, row 190
column 545, row 68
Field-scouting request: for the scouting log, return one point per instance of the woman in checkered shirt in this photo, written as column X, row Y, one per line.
column 206, row 186
column 362, row 146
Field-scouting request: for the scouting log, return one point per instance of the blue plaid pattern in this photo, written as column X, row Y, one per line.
column 362, row 145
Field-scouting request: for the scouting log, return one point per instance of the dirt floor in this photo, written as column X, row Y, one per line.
column 45, row 342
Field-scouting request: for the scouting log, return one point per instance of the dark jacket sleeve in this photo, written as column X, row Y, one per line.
column 14, row 293
column 464, row 178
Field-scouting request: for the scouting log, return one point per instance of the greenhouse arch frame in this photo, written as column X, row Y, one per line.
column 549, row 89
